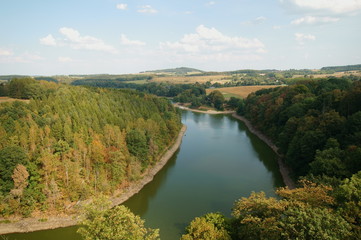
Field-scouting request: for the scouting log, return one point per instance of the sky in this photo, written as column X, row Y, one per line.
column 61, row 37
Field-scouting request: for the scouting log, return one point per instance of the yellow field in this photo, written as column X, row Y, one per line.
column 241, row 91
column 336, row 74
column 192, row 79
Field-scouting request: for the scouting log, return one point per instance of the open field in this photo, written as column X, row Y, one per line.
column 336, row 74
column 192, row 79
column 7, row 99
column 241, row 91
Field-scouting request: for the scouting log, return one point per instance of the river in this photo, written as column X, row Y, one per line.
column 218, row 162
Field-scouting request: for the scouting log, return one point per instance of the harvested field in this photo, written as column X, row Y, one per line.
column 241, row 91
column 336, row 74
column 192, row 79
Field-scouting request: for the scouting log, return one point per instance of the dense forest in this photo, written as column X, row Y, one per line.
column 70, row 143
column 316, row 124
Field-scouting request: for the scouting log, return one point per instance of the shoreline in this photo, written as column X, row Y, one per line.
column 200, row 111
column 283, row 168
column 63, row 220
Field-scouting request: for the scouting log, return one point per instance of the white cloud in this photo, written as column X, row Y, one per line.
column 301, row 38
column 335, row 6
column 211, row 46
column 147, row 9
column 211, row 3
column 48, row 40
column 125, row 41
column 76, row 41
column 65, row 59
column 122, row 6
column 276, row 27
column 314, row 20
column 5, row 52
column 210, row 39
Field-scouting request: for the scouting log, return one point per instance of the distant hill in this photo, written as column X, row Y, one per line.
column 177, row 71
column 9, row 77
column 342, row 68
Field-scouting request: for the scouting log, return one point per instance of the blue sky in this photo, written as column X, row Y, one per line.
column 40, row 37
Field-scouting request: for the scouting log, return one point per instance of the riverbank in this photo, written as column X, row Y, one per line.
column 201, row 111
column 284, row 170
column 51, row 222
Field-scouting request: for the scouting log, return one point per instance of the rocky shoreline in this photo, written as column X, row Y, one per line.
column 51, row 222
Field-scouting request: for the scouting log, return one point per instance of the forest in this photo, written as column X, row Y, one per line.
column 71, row 143
column 315, row 123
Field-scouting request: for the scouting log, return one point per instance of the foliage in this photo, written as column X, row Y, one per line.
column 114, row 224
column 10, row 158
column 216, row 99
column 311, row 211
column 305, row 118
column 348, row 196
column 210, row 226
column 77, row 142
column 301, row 214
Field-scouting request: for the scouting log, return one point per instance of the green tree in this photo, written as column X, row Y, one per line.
column 10, row 157
column 137, row 144
column 302, row 222
column 348, row 195
column 216, row 99
column 209, row 227
column 115, row 224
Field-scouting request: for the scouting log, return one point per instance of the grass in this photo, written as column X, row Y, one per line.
column 241, row 91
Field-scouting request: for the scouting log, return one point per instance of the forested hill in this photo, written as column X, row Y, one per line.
column 70, row 143
column 342, row 68
column 177, row 71
column 315, row 123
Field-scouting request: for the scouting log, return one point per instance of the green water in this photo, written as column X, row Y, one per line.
column 218, row 162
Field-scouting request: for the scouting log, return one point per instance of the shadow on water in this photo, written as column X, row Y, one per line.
column 265, row 154
column 139, row 203
column 52, row 234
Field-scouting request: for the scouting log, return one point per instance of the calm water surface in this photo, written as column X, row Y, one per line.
column 218, row 162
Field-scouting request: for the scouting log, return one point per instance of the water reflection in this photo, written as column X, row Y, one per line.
column 140, row 202
column 264, row 152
